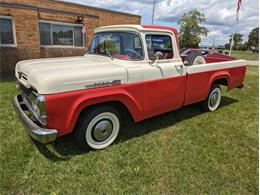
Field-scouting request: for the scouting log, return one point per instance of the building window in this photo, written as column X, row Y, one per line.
column 6, row 31
column 61, row 34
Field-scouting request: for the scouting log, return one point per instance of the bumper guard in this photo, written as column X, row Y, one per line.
column 36, row 132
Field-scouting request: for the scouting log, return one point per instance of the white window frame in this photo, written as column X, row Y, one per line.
column 14, row 32
column 173, row 40
column 66, row 24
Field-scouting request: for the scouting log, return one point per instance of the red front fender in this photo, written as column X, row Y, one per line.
column 64, row 109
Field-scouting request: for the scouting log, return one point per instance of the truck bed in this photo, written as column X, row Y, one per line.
column 201, row 77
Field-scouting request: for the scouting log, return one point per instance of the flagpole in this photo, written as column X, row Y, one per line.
column 153, row 11
column 239, row 2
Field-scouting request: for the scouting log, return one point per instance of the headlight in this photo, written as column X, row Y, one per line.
column 38, row 106
column 40, row 103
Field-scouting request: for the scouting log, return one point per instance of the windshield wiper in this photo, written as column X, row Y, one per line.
column 109, row 54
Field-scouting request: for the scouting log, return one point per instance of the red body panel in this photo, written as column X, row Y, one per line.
column 199, row 84
column 63, row 109
column 142, row 99
column 163, row 95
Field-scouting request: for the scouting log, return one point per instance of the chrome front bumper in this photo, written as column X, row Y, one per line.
column 36, row 132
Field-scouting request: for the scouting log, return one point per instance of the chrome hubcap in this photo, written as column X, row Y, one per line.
column 213, row 99
column 102, row 129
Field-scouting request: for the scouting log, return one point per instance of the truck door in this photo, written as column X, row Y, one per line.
column 165, row 79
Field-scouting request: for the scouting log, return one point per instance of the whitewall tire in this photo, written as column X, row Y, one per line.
column 102, row 130
column 213, row 100
column 98, row 127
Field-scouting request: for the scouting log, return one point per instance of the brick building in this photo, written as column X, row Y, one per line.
column 49, row 28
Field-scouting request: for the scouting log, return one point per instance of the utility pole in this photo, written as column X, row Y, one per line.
column 153, row 11
column 231, row 44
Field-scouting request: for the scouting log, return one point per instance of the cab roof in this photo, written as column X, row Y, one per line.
column 140, row 28
column 137, row 27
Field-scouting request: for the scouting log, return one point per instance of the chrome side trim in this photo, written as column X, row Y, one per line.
column 103, row 84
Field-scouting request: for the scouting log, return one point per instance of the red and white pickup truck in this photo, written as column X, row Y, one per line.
column 128, row 70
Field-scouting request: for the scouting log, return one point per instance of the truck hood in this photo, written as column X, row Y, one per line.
column 56, row 75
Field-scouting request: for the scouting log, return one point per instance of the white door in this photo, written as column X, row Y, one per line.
column 165, row 78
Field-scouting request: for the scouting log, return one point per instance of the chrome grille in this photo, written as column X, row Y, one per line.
column 29, row 98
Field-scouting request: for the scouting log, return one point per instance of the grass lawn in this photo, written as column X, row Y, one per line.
column 184, row 152
column 245, row 55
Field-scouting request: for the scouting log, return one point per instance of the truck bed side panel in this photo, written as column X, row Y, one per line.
column 201, row 77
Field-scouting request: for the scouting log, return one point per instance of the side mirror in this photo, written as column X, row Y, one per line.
column 157, row 56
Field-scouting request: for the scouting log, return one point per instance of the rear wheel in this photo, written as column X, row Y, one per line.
column 213, row 100
column 98, row 127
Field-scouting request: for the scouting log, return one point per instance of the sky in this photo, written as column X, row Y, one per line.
column 221, row 14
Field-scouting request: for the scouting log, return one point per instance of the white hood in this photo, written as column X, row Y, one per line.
column 56, row 75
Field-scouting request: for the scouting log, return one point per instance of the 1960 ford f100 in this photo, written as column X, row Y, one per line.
column 128, row 70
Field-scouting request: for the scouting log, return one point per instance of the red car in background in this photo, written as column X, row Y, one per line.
column 196, row 56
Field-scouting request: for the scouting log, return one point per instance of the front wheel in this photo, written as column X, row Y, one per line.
column 98, row 128
column 213, row 100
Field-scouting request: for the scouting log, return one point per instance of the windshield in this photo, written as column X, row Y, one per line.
column 122, row 45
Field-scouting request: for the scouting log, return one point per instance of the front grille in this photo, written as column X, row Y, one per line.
column 25, row 90
column 29, row 99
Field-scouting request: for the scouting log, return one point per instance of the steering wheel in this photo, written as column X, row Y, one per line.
column 131, row 53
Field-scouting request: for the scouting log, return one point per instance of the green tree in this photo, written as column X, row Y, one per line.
column 237, row 40
column 253, row 38
column 191, row 28
column 242, row 47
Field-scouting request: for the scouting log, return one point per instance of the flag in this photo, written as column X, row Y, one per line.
column 239, row 2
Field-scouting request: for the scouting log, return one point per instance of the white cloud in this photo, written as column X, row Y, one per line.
column 220, row 14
